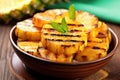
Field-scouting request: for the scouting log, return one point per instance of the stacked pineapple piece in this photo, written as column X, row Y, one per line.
column 96, row 47
column 87, row 38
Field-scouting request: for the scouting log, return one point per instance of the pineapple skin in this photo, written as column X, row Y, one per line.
column 26, row 11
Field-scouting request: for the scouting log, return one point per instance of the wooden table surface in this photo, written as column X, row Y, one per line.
column 113, row 67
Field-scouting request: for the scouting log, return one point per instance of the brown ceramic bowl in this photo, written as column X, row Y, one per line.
column 63, row 70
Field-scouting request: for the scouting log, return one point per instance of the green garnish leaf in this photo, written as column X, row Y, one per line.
column 63, row 28
column 64, row 25
column 72, row 13
column 57, row 27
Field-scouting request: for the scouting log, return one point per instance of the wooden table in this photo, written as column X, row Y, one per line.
column 113, row 67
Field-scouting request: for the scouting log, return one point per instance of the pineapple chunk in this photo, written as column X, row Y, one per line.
column 96, row 47
column 46, row 54
column 90, row 54
column 84, row 18
column 28, row 46
column 26, row 31
column 42, row 18
column 68, row 44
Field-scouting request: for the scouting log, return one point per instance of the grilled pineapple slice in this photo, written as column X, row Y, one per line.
column 69, row 43
column 44, row 53
column 39, row 19
column 28, row 46
column 83, row 18
column 93, row 51
column 25, row 30
column 88, row 20
column 35, row 48
column 96, row 47
column 89, row 54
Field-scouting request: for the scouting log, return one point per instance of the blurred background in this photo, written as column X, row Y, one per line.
column 16, row 10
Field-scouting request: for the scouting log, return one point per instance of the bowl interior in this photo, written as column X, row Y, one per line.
column 114, row 42
column 112, row 48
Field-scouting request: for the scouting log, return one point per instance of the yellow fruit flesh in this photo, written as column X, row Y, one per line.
column 96, row 47
column 42, row 18
column 26, row 31
column 7, row 5
column 44, row 53
column 68, row 44
column 28, row 46
column 89, row 54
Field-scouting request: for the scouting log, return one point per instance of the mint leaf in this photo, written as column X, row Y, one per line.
column 72, row 13
column 63, row 28
column 64, row 25
column 57, row 27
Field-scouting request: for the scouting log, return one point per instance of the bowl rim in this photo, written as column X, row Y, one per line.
column 63, row 63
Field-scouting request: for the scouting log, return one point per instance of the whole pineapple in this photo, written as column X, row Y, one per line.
column 17, row 9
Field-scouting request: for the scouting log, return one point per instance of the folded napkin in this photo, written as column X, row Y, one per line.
column 107, row 10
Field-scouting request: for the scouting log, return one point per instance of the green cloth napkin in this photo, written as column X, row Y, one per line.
column 107, row 10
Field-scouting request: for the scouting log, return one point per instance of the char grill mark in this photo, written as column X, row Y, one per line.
column 95, row 25
column 78, row 25
column 84, row 58
column 101, row 35
column 71, row 31
column 65, row 35
column 65, row 46
column 95, row 41
column 40, row 47
column 99, row 55
column 60, row 40
column 45, row 33
column 49, row 29
column 94, row 47
column 83, row 42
